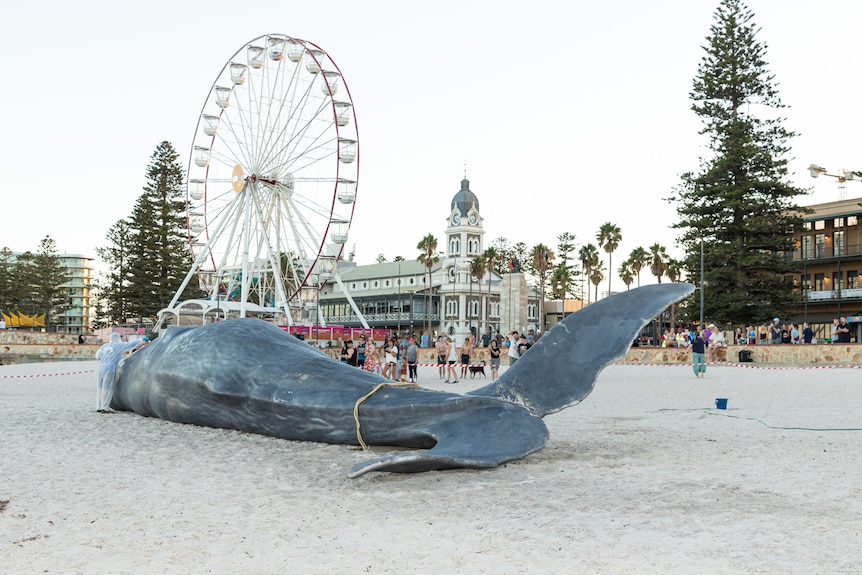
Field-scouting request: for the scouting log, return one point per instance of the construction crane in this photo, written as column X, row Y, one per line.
column 843, row 176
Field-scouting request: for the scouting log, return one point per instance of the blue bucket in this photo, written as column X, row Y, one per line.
column 721, row 403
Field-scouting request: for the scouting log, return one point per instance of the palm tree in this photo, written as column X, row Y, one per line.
column 589, row 258
column 477, row 270
column 673, row 270
column 429, row 257
column 626, row 274
column 609, row 238
column 597, row 274
column 639, row 258
column 542, row 256
column 560, row 280
column 492, row 258
column 658, row 264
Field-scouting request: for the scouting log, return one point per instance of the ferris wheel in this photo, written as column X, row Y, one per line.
column 272, row 176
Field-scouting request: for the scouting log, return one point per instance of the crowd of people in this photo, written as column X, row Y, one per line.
column 766, row 334
column 704, row 343
column 397, row 356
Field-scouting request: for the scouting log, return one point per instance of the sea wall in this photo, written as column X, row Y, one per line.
column 31, row 346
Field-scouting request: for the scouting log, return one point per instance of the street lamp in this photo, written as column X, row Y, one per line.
column 701, row 282
column 470, row 306
column 399, row 297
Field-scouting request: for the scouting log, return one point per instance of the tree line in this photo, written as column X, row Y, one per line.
column 558, row 272
column 32, row 283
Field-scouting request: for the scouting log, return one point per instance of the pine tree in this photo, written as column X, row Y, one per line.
column 159, row 256
column 565, row 274
column 48, row 274
column 21, row 284
column 7, row 280
column 113, row 290
column 740, row 203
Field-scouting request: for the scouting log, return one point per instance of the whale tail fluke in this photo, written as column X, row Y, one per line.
column 477, row 438
column 560, row 370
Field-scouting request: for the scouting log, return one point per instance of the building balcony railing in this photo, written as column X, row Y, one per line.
column 383, row 318
column 849, row 293
column 826, row 252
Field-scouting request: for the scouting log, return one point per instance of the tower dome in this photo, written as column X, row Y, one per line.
column 465, row 199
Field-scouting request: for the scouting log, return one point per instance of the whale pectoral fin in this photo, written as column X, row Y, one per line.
column 474, row 439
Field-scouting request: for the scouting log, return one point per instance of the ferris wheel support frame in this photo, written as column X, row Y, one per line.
column 352, row 303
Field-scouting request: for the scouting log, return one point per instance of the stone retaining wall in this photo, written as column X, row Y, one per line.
column 30, row 346
column 771, row 355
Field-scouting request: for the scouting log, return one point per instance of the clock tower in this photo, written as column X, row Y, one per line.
column 460, row 291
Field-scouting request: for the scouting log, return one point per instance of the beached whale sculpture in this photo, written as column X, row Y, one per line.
column 249, row 375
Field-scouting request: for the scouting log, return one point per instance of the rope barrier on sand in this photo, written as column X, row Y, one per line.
column 46, row 374
column 743, row 365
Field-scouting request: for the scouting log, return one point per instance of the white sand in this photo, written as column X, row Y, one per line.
column 645, row 476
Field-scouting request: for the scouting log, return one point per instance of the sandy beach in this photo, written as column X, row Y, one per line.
column 644, row 476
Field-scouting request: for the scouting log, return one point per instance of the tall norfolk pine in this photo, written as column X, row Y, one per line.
column 739, row 203
column 159, row 255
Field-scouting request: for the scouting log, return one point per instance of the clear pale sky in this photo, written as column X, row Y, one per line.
column 567, row 114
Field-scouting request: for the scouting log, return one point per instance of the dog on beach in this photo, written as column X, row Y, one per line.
column 474, row 369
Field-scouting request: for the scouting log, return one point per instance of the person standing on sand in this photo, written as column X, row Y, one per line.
column 494, row 352
column 442, row 350
column 513, row 346
column 451, row 358
column 698, row 354
column 371, row 363
column 412, row 360
column 465, row 357
column 109, row 356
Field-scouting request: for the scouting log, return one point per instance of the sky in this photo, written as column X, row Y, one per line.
column 565, row 115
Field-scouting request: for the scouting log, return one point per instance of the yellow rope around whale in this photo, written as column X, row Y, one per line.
column 377, row 388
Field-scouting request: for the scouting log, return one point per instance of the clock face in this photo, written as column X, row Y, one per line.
column 451, row 274
column 473, row 219
column 456, row 219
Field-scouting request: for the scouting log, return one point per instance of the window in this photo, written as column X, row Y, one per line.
column 819, row 245
column 852, row 279
column 806, row 248
column 838, row 223
column 851, row 221
column 819, row 282
column 836, row 280
column 806, row 281
column 451, row 307
column 454, row 245
column 806, row 226
column 838, row 243
column 820, row 225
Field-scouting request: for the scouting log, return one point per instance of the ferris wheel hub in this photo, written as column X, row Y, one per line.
column 237, row 180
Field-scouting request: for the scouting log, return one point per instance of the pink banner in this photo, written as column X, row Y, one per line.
column 322, row 333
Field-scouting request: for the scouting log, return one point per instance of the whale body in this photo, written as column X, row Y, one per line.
column 249, row 375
